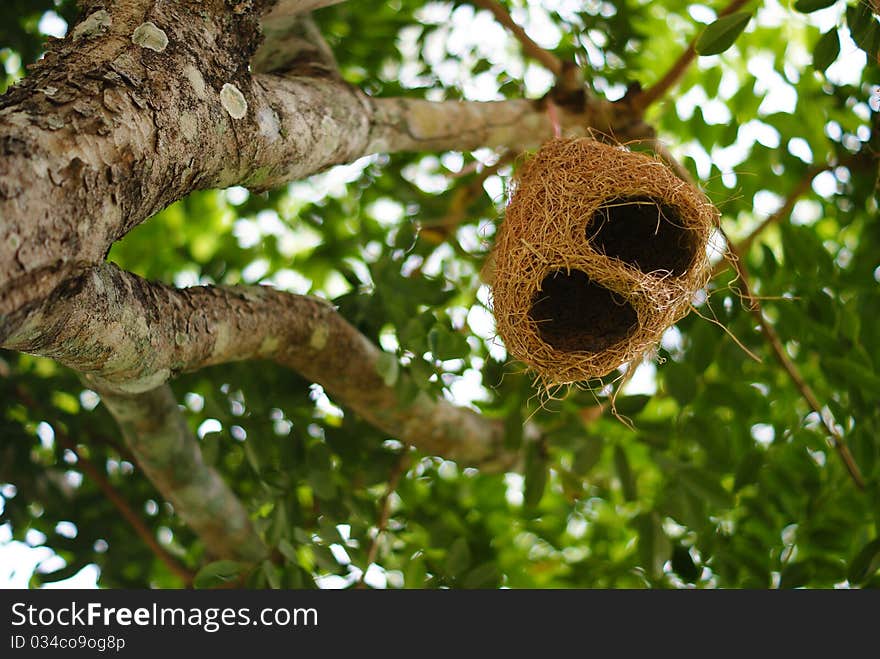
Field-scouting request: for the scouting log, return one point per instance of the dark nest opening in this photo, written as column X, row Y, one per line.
column 645, row 233
column 575, row 314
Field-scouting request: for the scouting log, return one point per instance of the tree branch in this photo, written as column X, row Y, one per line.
column 294, row 44
column 835, row 438
column 384, row 512
column 130, row 336
column 679, row 67
column 107, row 135
column 530, row 48
column 415, row 125
column 156, row 431
column 126, row 511
column 118, row 501
column 282, row 10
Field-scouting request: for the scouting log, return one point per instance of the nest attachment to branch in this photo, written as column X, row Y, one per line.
column 601, row 250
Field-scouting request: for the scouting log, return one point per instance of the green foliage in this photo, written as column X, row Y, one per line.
column 720, row 35
column 716, row 474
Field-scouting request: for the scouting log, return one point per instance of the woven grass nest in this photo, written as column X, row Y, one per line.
column 601, row 249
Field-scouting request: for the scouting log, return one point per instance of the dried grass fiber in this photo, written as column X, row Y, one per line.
column 601, row 249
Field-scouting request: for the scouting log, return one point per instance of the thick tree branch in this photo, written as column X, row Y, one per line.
column 130, row 335
column 294, row 44
column 156, row 431
column 415, row 125
column 136, row 109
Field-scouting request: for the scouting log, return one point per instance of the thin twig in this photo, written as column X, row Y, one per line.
column 788, row 205
column 113, row 495
column 836, row 439
column 530, row 48
column 397, row 471
column 777, row 216
column 125, row 510
column 465, row 196
column 679, row 67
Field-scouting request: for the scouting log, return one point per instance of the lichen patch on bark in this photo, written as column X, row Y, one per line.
column 93, row 25
column 196, row 81
column 233, row 101
column 149, row 35
column 318, row 339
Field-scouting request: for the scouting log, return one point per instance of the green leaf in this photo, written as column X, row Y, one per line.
column 287, row 550
column 681, row 381
column 272, row 574
column 854, row 374
column 587, row 455
column 654, row 545
column 720, row 35
column 624, row 472
column 703, row 485
column 631, row 405
column 445, row 344
column 388, row 368
column 748, row 469
column 827, row 49
column 535, row 476
column 415, row 574
column 482, row 576
column 219, row 574
column 683, row 564
column 795, row 574
column 865, row 564
column 513, row 428
column 458, row 558
column 322, row 483
column 808, row 6
column 864, row 28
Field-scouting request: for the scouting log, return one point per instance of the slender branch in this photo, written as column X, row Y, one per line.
column 530, row 48
column 100, row 323
column 397, row 471
column 663, row 152
column 835, row 437
column 780, row 214
column 113, row 495
column 679, row 67
column 802, row 187
column 126, row 511
column 463, row 198
column 157, row 433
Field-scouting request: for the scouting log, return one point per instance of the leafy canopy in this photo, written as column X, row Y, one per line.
column 725, row 478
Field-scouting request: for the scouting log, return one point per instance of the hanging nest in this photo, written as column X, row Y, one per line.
column 601, row 250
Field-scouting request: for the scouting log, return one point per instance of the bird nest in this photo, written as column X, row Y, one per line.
column 601, row 250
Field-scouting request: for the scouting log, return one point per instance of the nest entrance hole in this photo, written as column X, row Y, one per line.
column 645, row 233
column 575, row 314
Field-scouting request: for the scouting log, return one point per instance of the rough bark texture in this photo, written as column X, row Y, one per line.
column 130, row 336
column 145, row 102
